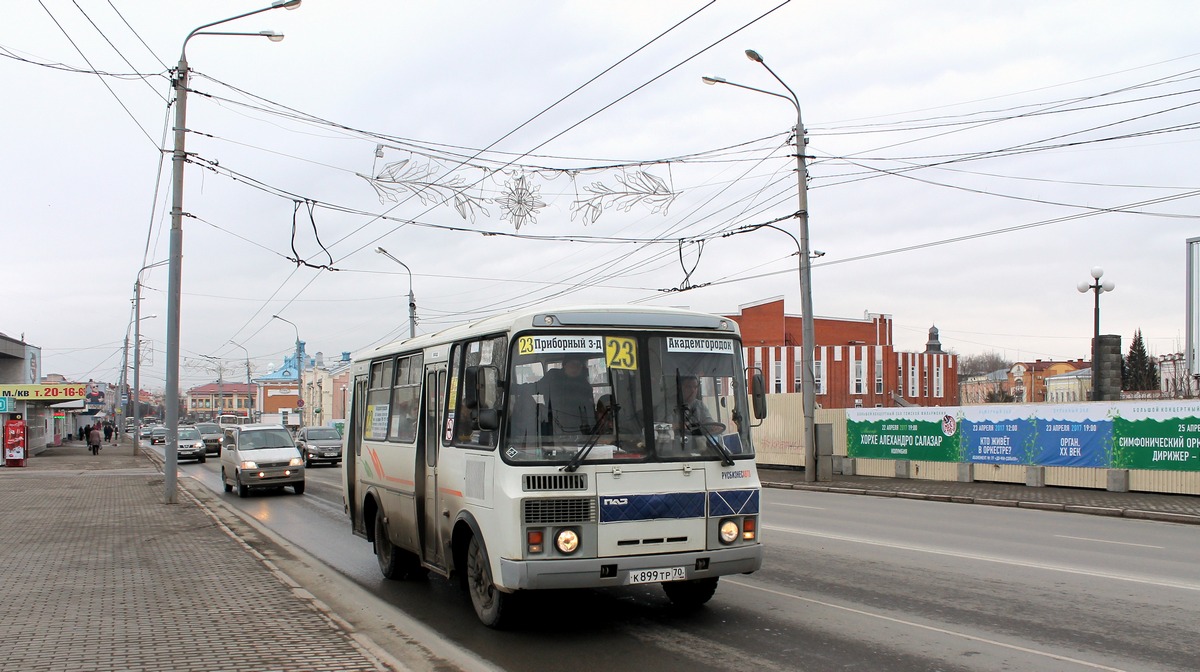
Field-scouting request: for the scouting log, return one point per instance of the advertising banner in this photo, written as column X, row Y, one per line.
column 1157, row 436
column 52, row 392
column 928, row 434
column 1119, row 435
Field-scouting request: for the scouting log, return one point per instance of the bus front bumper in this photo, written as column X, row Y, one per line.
column 614, row 571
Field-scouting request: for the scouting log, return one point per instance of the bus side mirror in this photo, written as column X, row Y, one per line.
column 481, row 385
column 489, row 419
column 758, row 395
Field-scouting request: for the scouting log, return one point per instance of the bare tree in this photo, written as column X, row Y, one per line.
column 970, row 365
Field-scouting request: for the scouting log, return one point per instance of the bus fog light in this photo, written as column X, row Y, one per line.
column 729, row 532
column 567, row 541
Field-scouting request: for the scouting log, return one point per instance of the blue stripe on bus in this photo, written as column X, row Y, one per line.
column 732, row 502
column 677, row 505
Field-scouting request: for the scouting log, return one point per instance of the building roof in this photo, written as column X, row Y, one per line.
column 227, row 387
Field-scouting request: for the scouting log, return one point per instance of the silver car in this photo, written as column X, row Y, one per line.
column 319, row 444
column 191, row 445
column 260, row 456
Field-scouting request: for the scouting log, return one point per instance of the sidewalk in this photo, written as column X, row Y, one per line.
column 1149, row 506
column 99, row 574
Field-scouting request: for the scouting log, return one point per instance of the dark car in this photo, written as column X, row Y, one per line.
column 211, row 433
column 158, row 435
column 319, row 444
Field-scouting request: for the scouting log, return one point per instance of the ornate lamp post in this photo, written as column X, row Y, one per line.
column 1099, row 288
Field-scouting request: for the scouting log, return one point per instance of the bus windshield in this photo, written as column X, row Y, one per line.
column 600, row 397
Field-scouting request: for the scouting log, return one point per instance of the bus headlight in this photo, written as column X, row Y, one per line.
column 729, row 532
column 566, row 541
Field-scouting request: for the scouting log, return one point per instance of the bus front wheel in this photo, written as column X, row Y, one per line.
column 690, row 594
column 490, row 603
column 395, row 563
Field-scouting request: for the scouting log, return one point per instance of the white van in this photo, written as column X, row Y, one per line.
column 260, row 456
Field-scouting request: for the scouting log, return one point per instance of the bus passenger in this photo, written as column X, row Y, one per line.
column 569, row 396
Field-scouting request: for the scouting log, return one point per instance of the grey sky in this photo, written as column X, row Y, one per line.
column 1040, row 116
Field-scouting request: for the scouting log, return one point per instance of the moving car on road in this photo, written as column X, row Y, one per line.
column 260, row 456
column 158, row 435
column 191, row 445
column 211, row 433
column 319, row 444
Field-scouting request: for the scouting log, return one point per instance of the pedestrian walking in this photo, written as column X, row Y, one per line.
column 94, row 439
column 108, row 430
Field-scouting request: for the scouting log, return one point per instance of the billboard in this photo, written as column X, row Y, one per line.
column 1192, row 354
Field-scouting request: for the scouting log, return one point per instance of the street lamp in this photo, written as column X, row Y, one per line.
column 299, row 370
column 175, row 268
column 249, row 396
column 218, row 407
column 137, row 351
column 124, row 367
column 806, row 346
column 412, row 303
column 1099, row 288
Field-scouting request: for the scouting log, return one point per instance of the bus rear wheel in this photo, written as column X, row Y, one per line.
column 690, row 594
column 490, row 602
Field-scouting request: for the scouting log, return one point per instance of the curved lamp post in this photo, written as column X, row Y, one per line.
column 175, row 269
column 808, row 391
column 1099, row 288
column 412, row 303
column 299, row 370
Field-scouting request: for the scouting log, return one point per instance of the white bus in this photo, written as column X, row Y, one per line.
column 475, row 453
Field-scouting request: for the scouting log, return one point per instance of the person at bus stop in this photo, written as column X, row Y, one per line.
column 569, row 396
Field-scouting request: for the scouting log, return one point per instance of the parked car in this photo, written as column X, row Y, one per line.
column 191, row 445
column 211, row 433
column 319, row 444
column 158, row 435
column 260, row 456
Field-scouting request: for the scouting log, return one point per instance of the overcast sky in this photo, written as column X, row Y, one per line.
column 971, row 161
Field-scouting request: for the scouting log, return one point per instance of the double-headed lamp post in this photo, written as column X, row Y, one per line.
column 412, row 303
column 1099, row 288
column 175, row 260
column 808, row 382
column 299, row 369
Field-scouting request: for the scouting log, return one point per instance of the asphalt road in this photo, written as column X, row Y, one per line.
column 849, row 582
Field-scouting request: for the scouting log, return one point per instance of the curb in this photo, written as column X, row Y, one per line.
column 1135, row 514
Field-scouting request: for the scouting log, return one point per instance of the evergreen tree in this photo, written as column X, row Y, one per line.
column 1138, row 369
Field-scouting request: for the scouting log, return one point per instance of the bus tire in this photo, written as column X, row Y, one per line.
column 690, row 594
column 490, row 602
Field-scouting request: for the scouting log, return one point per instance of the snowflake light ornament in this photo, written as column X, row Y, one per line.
column 520, row 202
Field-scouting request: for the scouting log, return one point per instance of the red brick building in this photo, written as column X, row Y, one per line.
column 855, row 361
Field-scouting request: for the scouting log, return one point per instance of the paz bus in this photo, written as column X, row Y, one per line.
column 572, row 448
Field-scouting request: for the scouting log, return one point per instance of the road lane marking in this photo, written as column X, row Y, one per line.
column 921, row 626
column 1107, row 541
column 1184, row 585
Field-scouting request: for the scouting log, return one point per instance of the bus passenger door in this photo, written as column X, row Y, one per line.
column 435, row 396
column 353, row 429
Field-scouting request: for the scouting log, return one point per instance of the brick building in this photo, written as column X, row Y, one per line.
column 855, row 361
column 1027, row 380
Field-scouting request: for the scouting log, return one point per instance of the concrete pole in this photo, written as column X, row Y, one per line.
column 174, row 282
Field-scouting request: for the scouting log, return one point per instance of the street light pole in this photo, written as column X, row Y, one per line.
column 137, row 353
column 807, row 345
column 299, row 370
column 412, row 303
column 175, row 267
column 249, row 396
column 1098, row 288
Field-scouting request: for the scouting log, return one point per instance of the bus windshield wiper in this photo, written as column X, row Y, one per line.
column 581, row 454
column 716, row 444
